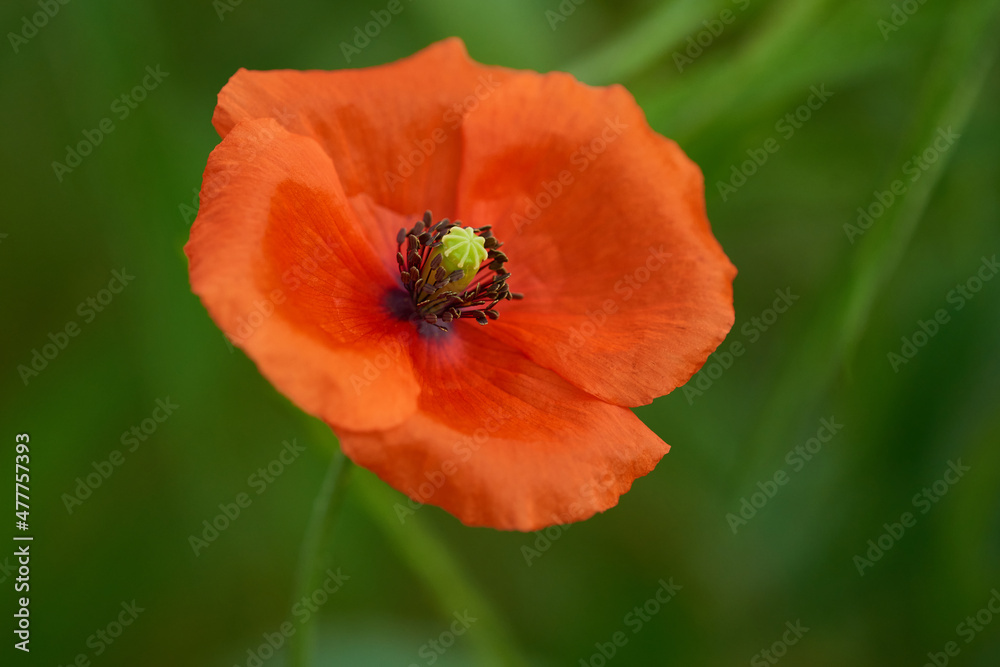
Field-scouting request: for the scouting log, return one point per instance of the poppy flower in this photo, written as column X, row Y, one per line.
column 470, row 273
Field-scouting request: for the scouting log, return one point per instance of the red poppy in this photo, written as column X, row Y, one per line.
column 507, row 412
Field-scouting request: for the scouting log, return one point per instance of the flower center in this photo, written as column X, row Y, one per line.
column 451, row 272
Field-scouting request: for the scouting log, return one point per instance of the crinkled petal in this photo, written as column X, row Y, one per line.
column 626, row 290
column 499, row 441
column 280, row 262
column 393, row 131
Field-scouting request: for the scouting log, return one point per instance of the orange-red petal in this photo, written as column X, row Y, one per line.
column 280, row 262
column 393, row 131
column 626, row 289
column 518, row 425
column 499, row 441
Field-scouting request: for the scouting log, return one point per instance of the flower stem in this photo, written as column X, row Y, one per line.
column 419, row 548
column 321, row 520
column 455, row 592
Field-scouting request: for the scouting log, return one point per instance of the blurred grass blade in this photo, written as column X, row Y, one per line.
column 645, row 42
column 427, row 556
column 321, row 521
column 417, row 546
column 967, row 51
column 881, row 252
column 698, row 102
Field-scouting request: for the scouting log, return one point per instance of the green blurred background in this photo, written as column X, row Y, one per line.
column 897, row 73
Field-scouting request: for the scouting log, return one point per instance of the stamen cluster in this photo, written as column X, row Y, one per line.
column 440, row 296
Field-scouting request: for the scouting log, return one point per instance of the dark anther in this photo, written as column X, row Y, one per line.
column 427, row 281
